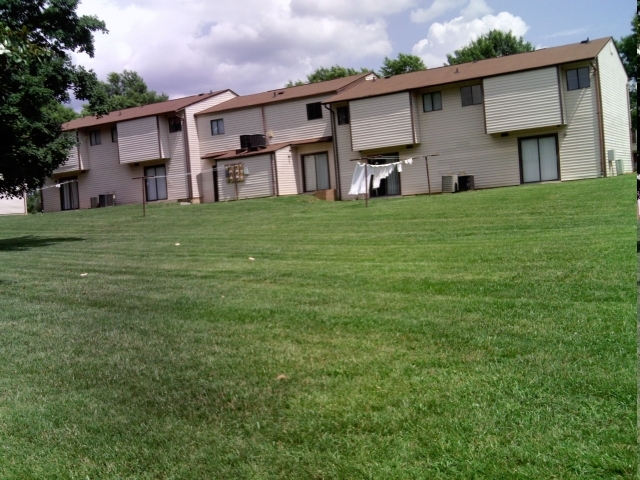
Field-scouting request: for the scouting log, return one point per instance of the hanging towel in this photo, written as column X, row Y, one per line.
column 399, row 166
column 409, row 161
column 359, row 182
column 377, row 176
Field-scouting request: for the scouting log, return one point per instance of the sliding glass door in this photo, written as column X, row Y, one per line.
column 539, row 159
column 316, row 172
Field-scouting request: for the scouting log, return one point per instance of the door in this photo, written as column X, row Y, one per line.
column 388, row 186
column 156, row 187
column 69, row 198
column 539, row 159
column 316, row 172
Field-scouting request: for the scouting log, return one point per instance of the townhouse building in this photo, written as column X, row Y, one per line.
column 154, row 140
column 555, row 114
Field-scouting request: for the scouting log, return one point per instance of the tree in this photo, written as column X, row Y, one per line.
column 126, row 90
column 36, row 74
column 405, row 63
column 494, row 44
column 322, row 74
column 628, row 48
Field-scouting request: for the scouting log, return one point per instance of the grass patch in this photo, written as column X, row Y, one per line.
column 487, row 334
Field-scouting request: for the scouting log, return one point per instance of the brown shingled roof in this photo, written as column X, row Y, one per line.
column 139, row 112
column 545, row 57
column 284, row 94
column 229, row 154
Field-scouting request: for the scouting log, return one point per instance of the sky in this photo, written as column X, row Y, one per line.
column 185, row 47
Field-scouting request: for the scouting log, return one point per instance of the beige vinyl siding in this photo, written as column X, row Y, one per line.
column 345, row 154
column 13, row 206
column 522, row 101
column 288, row 121
column 194, row 141
column 288, row 172
column 238, row 122
column 380, row 122
column 325, row 147
column 138, row 140
column 176, row 168
column 72, row 164
column 258, row 183
column 50, row 197
column 615, row 107
column 83, row 149
column 163, row 124
column 580, row 140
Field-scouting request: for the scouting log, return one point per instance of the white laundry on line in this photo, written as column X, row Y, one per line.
column 359, row 183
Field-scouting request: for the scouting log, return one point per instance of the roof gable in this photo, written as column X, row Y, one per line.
column 285, row 94
column 545, row 57
column 139, row 112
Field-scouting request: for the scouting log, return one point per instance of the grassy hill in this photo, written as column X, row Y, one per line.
column 487, row 334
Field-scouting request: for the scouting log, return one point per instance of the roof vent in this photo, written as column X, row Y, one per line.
column 585, row 41
column 457, row 71
column 200, row 94
column 280, row 93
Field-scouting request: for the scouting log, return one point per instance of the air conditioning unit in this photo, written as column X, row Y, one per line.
column 466, row 183
column 106, row 200
column 258, row 140
column 449, row 183
column 94, row 202
column 245, row 141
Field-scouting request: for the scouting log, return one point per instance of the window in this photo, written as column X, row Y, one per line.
column 156, row 187
column 175, row 124
column 69, row 199
column 343, row 116
column 431, row 101
column 471, row 95
column 114, row 134
column 315, row 170
column 314, row 111
column 94, row 138
column 578, row 78
column 217, row 127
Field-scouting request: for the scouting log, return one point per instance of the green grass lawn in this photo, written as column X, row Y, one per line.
column 486, row 334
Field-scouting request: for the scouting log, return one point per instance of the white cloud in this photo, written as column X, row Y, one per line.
column 184, row 47
column 437, row 8
column 350, row 8
column 444, row 38
column 476, row 9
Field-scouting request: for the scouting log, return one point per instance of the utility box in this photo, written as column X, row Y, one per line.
column 95, row 203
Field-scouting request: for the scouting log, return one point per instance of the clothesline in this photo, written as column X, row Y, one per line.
column 364, row 172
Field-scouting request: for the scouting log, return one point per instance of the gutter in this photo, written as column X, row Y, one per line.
column 334, row 143
column 603, row 165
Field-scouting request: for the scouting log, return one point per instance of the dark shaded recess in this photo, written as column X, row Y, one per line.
column 31, row 241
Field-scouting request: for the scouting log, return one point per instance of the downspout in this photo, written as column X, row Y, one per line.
column 274, row 171
column 596, row 69
column 187, row 155
column 335, row 150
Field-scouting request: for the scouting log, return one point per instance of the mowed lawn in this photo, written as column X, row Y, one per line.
column 487, row 334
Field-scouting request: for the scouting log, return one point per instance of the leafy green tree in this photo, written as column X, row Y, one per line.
column 36, row 74
column 494, row 44
column 126, row 90
column 405, row 63
column 322, row 74
column 628, row 48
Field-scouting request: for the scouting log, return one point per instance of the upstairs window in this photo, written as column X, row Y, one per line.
column 217, row 127
column 314, row 111
column 343, row 116
column 471, row 95
column 114, row 134
column 94, row 138
column 431, row 101
column 578, row 78
column 175, row 124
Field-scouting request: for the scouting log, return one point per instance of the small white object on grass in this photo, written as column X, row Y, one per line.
column 84, row 274
column 251, row 258
column 177, row 244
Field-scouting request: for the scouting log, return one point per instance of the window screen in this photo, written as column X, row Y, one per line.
column 578, row 78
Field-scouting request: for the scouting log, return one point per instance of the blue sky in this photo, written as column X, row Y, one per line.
column 184, row 47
